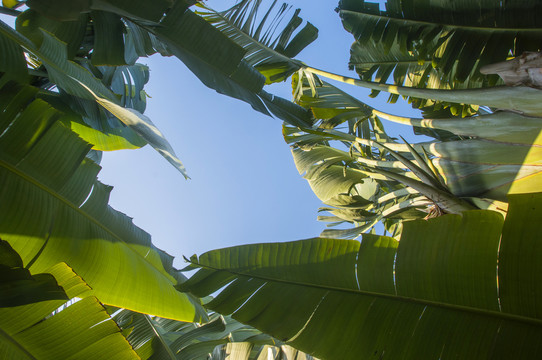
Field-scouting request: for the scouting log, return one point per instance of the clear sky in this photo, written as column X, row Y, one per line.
column 244, row 187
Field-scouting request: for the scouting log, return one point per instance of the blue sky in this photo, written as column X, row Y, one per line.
column 244, row 186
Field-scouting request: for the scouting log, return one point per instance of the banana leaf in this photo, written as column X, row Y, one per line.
column 56, row 329
column 269, row 49
column 457, row 286
column 486, row 157
column 158, row 338
column 220, row 63
column 19, row 287
column 438, row 45
column 53, row 210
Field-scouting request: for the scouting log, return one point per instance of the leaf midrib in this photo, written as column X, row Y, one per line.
column 460, row 308
column 447, row 26
column 68, row 203
column 12, row 341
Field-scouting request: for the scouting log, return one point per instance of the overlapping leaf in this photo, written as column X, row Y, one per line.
column 483, row 158
column 58, row 330
column 439, row 45
column 269, row 43
column 220, row 63
column 19, row 287
column 53, row 209
column 74, row 82
column 221, row 338
column 453, row 287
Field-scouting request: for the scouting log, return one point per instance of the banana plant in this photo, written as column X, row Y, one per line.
column 54, row 64
column 99, row 55
column 221, row 338
column 54, row 210
column 481, row 160
column 438, row 46
column 455, row 286
column 265, row 48
column 51, row 328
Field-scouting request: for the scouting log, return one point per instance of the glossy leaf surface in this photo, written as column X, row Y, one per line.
column 436, row 293
column 53, row 210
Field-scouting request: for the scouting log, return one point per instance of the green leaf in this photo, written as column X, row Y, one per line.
column 488, row 169
column 216, row 60
column 53, row 209
column 145, row 128
column 59, row 330
column 30, row 23
column 267, row 46
column 66, row 10
column 60, row 10
column 108, row 39
column 61, row 71
column 157, row 338
column 427, row 296
column 19, row 287
column 13, row 64
column 438, row 45
column 104, row 137
column 220, row 63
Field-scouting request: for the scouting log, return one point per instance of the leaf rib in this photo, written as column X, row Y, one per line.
column 460, row 308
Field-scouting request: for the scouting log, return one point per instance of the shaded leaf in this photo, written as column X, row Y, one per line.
column 19, row 287
column 59, row 330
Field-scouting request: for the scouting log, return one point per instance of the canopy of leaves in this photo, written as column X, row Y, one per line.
column 54, row 210
column 457, row 286
column 441, row 44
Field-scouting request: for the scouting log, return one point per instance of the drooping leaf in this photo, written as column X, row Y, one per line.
column 269, row 48
column 81, row 117
column 427, row 296
column 108, row 39
column 54, row 209
column 145, row 128
column 219, row 63
column 438, row 45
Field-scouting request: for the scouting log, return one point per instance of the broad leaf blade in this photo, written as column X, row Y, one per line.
column 19, row 287
column 53, row 209
column 419, row 297
column 80, row 329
